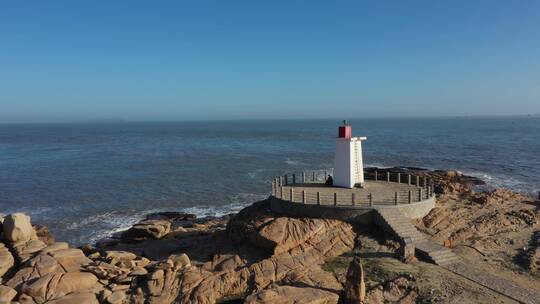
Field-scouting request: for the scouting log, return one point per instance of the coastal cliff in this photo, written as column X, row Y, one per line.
column 257, row 256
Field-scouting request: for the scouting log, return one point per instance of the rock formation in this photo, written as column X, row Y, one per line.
column 255, row 256
column 355, row 287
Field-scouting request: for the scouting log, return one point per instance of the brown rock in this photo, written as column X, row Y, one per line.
column 7, row 294
column 55, row 247
column 76, row 298
column 180, row 261
column 292, row 295
column 148, row 229
column 6, row 260
column 116, row 297
column 17, row 227
column 27, row 249
column 283, row 233
column 55, row 285
column 138, row 271
column 44, row 235
column 355, row 287
column 71, row 260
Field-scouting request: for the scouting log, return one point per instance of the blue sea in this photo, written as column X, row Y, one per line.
column 87, row 180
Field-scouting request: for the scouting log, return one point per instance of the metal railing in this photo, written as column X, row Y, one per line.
column 416, row 189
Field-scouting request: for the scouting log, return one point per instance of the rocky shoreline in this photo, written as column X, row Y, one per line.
column 257, row 256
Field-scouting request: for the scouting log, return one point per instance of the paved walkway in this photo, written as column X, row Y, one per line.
column 497, row 284
column 392, row 221
column 380, row 192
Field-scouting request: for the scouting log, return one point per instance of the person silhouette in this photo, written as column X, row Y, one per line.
column 329, row 181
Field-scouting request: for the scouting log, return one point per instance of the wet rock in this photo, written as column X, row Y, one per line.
column 171, row 216
column 17, row 227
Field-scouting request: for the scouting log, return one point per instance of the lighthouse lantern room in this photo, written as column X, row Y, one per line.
column 348, row 164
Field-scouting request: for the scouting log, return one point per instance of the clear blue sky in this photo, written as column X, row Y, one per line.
column 177, row 60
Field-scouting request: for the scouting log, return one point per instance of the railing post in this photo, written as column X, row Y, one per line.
column 370, row 197
column 396, row 198
column 286, row 179
column 409, row 179
column 303, row 177
column 387, row 176
column 273, row 187
column 424, row 181
column 353, row 202
column 376, row 175
column 399, row 178
column 335, row 198
column 417, row 181
column 318, row 198
column 304, row 196
column 294, row 179
column 419, row 194
column 281, row 192
column 292, row 195
column 410, row 196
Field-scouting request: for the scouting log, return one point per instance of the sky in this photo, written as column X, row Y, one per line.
column 191, row 60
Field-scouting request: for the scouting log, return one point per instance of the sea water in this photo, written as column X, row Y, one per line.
column 87, row 180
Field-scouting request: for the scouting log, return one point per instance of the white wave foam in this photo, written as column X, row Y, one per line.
column 501, row 181
column 114, row 221
column 291, row 162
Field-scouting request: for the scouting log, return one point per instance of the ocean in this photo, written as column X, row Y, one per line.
column 88, row 180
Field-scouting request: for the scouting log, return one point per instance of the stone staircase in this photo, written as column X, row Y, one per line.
column 436, row 254
column 394, row 222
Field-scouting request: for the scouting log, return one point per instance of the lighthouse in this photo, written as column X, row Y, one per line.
column 348, row 164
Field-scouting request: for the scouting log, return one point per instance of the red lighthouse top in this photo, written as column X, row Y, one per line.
column 345, row 131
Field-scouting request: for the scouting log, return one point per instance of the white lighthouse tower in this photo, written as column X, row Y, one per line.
column 348, row 164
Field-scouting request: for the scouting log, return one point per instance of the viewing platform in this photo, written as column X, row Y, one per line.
column 305, row 194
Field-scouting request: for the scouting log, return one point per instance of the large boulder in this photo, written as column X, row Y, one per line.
column 283, row 233
column 71, row 260
column 148, row 229
column 55, row 285
column 292, row 295
column 18, row 228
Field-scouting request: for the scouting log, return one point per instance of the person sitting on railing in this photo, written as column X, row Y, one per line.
column 329, row 181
